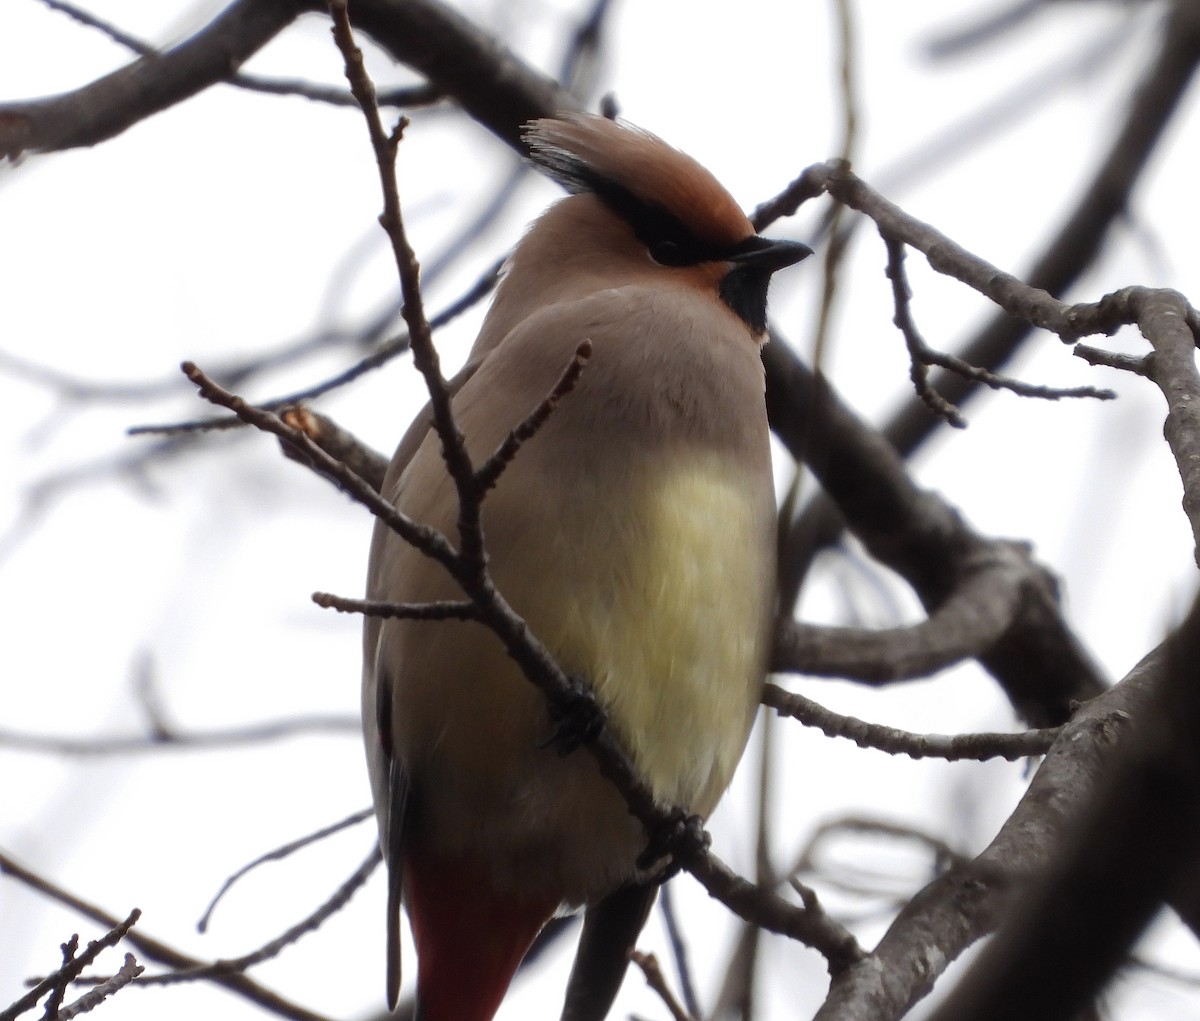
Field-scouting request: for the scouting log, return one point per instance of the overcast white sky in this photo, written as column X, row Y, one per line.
column 237, row 223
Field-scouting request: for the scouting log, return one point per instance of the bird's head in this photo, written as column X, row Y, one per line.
column 682, row 218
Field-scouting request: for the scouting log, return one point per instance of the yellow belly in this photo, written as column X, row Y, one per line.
column 666, row 618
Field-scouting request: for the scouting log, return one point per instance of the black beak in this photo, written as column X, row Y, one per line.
column 767, row 254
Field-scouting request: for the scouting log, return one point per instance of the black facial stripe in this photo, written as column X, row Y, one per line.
column 668, row 240
column 665, row 236
column 743, row 289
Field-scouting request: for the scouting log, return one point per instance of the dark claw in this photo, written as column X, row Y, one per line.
column 681, row 837
column 577, row 722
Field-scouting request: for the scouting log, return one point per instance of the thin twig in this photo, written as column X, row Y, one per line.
column 855, row 877
column 679, row 950
column 73, row 965
column 952, row 748
column 918, row 364
column 1142, row 366
column 658, row 982
column 127, row 973
column 921, row 355
column 427, row 540
column 63, row 978
column 235, row 965
column 278, row 854
column 488, row 473
column 340, row 444
column 835, row 250
column 425, row 355
column 389, row 349
column 178, row 740
column 445, row 610
column 156, row 950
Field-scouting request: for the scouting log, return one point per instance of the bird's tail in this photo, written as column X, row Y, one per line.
column 469, row 940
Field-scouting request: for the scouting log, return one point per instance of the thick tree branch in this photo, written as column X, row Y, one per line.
column 473, row 68
column 150, row 84
column 968, row 901
column 493, row 85
column 1137, row 840
column 968, row 623
column 1038, row 661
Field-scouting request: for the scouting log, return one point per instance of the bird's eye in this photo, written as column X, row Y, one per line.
column 667, row 253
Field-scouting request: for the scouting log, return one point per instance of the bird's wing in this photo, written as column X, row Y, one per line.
column 610, row 932
column 398, row 792
column 391, row 785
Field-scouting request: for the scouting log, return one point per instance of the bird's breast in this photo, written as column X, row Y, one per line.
column 659, row 598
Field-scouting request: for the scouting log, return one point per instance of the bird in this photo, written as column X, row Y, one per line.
column 634, row 533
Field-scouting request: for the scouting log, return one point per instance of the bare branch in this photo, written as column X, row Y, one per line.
column 457, row 58
column 488, row 473
column 679, row 950
column 1068, row 253
column 807, row 186
column 658, row 982
column 921, row 355
column 492, row 84
column 1065, row 257
column 809, row 859
column 127, row 973
column 430, row 542
column 985, row 27
column 1127, row 363
column 425, row 356
column 1038, row 660
column 969, row 621
column 157, row 950
column 72, row 966
column 1169, row 323
column 389, row 349
column 952, row 748
column 450, row 610
column 63, row 978
column 338, row 443
column 237, row 965
column 278, row 854
column 1134, row 838
column 835, row 250
column 109, row 105
column 411, row 96
column 917, row 348
column 178, row 740
column 967, row 902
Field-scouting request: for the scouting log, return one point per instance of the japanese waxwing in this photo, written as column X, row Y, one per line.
column 634, row 533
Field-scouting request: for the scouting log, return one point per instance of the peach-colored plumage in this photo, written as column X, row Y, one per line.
column 634, row 533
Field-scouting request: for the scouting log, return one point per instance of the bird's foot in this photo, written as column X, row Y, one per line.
column 681, row 836
column 577, row 720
